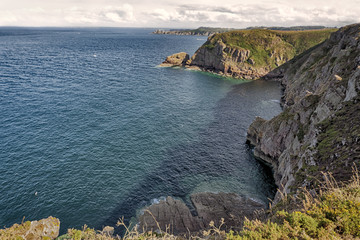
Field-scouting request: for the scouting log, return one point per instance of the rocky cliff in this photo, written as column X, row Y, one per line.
column 319, row 127
column 251, row 54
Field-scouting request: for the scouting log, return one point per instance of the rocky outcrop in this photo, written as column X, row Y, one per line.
column 319, row 127
column 229, row 61
column 177, row 59
column 251, row 54
column 43, row 229
column 170, row 214
column 175, row 216
column 228, row 206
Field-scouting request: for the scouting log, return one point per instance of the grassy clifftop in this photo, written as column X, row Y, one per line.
column 269, row 47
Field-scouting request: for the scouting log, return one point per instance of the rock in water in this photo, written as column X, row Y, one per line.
column 175, row 216
column 170, row 214
column 229, row 206
column 177, row 59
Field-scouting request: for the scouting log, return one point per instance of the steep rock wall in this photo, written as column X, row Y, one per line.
column 319, row 127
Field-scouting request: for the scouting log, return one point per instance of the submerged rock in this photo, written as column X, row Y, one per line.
column 173, row 215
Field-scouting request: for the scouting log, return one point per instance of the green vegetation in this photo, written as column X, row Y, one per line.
column 84, row 234
column 270, row 48
column 331, row 214
column 203, row 30
column 284, row 116
column 339, row 140
column 15, row 231
column 295, row 28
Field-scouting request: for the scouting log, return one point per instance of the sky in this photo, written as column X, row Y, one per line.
column 178, row 14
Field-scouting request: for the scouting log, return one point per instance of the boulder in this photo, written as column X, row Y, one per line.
column 169, row 214
column 177, row 59
column 228, row 206
column 173, row 215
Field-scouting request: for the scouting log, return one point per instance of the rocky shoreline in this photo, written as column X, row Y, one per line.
column 175, row 215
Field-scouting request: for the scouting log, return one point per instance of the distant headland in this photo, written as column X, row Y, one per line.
column 208, row 31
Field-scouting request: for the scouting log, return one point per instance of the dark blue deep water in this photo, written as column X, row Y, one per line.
column 90, row 123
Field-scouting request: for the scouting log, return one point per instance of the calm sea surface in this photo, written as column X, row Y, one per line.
column 90, row 124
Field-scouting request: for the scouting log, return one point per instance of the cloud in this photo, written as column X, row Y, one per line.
column 256, row 14
column 69, row 16
column 108, row 14
column 166, row 13
column 119, row 14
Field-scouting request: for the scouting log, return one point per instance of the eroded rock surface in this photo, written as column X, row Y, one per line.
column 174, row 215
column 177, row 59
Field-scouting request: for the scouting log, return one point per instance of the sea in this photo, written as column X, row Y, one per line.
column 92, row 130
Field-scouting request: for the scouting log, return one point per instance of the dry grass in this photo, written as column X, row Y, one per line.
column 333, row 212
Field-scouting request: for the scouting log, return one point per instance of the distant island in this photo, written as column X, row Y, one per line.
column 208, row 31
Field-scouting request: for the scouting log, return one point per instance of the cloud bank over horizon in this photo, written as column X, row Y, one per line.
column 167, row 14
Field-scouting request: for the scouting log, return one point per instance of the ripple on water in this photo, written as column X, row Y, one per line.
column 100, row 137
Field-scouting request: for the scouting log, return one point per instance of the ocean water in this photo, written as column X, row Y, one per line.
column 91, row 130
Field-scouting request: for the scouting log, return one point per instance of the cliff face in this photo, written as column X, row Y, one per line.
column 231, row 61
column 319, row 127
column 251, row 54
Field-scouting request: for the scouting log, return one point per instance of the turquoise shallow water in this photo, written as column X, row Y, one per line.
column 98, row 131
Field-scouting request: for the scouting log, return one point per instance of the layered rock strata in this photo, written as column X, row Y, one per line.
column 173, row 215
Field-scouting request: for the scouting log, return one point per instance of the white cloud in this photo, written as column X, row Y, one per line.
column 255, row 15
column 102, row 16
column 188, row 13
